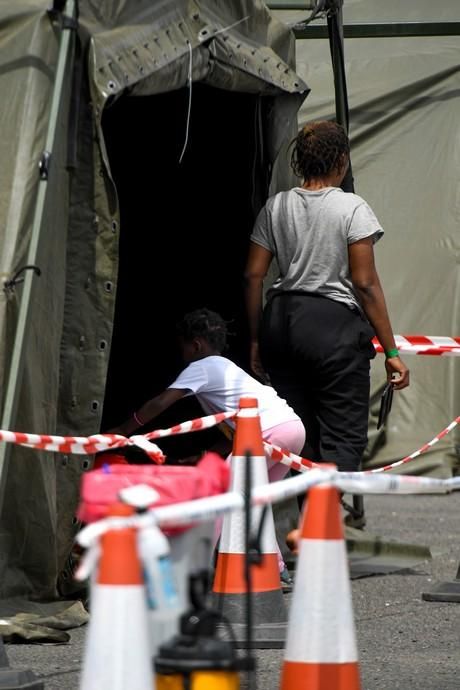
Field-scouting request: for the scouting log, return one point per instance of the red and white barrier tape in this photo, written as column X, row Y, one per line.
column 192, row 425
column 285, row 457
column 421, row 450
column 295, row 462
column 87, row 445
column 209, row 508
column 424, row 345
column 81, row 445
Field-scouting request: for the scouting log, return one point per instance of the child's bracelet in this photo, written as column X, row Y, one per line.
column 392, row 353
column 137, row 420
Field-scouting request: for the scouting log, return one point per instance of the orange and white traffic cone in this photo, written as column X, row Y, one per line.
column 321, row 651
column 269, row 613
column 117, row 651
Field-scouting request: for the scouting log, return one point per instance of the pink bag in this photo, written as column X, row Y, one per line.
column 174, row 483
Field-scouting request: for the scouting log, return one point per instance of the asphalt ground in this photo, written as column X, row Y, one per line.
column 404, row 642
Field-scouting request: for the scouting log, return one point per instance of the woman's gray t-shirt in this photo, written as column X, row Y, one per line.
column 308, row 232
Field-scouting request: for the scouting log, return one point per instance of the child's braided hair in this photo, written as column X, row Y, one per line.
column 207, row 324
column 319, row 150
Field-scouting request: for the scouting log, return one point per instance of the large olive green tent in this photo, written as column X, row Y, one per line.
column 138, row 141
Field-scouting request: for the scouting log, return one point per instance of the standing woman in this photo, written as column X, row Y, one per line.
column 314, row 336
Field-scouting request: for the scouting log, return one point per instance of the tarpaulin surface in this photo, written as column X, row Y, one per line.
column 116, row 49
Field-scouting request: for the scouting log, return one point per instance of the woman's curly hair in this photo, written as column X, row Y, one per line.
column 204, row 323
column 319, row 150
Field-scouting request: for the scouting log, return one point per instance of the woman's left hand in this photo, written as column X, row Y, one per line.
column 397, row 372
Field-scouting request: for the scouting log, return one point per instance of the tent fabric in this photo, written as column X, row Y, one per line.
column 230, row 44
column 404, row 100
column 28, row 50
column 120, row 48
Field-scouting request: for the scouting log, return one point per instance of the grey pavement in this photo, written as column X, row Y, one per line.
column 403, row 641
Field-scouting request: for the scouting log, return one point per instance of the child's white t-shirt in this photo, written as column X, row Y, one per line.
column 218, row 384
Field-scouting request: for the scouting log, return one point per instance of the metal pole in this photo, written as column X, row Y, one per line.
column 335, row 30
column 17, row 359
column 336, row 42
column 304, row 31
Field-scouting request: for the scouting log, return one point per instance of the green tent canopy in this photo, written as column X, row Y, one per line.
column 139, row 140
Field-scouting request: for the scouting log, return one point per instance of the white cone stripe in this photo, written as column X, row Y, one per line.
column 232, row 539
column 233, row 529
column 232, row 536
column 248, row 412
column 117, row 653
column 259, row 472
column 321, row 627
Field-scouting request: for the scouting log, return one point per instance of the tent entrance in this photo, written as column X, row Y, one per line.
column 184, row 229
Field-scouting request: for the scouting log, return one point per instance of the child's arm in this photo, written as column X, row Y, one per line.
column 149, row 410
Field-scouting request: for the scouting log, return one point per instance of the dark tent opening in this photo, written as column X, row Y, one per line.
column 184, row 229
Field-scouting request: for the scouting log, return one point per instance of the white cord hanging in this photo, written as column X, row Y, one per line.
column 189, row 110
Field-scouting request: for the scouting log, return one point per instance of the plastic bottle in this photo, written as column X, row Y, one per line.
column 163, row 601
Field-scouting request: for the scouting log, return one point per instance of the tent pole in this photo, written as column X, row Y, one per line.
column 335, row 30
column 14, row 380
column 378, row 30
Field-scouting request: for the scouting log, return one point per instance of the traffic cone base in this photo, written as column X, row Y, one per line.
column 264, row 636
column 445, row 591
